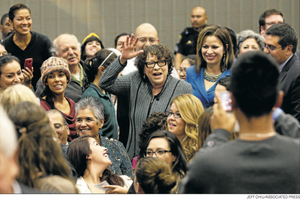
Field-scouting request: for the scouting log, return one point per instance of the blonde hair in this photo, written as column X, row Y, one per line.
column 190, row 109
column 15, row 94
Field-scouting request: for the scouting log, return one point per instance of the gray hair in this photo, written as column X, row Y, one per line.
column 8, row 135
column 55, row 111
column 54, row 48
column 92, row 103
column 244, row 35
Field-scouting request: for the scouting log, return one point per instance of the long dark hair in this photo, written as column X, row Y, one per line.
column 90, row 39
column 77, row 152
column 180, row 164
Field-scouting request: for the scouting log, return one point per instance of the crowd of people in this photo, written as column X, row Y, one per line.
column 139, row 118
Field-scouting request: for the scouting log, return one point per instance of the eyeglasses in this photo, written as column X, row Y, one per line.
column 176, row 114
column 159, row 152
column 271, row 47
column 159, row 63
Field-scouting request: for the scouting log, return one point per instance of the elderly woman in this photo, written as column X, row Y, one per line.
column 24, row 43
column 248, row 40
column 148, row 90
column 89, row 121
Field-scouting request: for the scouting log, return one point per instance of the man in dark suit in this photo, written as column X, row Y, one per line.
column 281, row 42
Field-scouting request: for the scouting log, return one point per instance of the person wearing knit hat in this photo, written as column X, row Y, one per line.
column 54, row 64
column 90, row 45
column 55, row 77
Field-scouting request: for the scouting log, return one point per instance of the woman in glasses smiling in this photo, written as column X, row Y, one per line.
column 182, row 121
column 148, row 90
column 166, row 146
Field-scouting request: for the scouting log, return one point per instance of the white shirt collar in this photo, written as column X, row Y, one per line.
column 16, row 187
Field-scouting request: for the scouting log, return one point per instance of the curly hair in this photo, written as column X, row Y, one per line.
column 154, row 176
column 39, row 153
column 156, row 121
column 161, row 52
column 190, row 109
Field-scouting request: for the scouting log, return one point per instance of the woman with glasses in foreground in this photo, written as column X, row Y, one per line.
column 148, row 90
column 166, row 146
column 182, row 121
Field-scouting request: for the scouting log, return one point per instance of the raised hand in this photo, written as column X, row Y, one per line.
column 128, row 51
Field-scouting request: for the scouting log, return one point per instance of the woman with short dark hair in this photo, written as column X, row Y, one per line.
column 148, row 90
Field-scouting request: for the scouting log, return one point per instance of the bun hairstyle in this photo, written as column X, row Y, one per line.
column 103, row 57
column 154, row 176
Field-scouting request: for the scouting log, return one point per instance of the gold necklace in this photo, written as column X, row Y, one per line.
column 209, row 77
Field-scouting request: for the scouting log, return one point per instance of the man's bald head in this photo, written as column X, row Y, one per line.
column 198, row 17
column 147, row 34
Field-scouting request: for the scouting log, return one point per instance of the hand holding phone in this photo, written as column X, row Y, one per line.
column 226, row 101
column 28, row 63
column 227, row 106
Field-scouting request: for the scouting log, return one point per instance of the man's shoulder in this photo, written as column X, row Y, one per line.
column 7, row 40
column 188, row 31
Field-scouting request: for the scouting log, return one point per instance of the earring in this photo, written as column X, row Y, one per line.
column 224, row 58
column 144, row 76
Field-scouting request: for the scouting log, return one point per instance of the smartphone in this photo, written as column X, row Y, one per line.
column 28, row 63
column 227, row 106
column 226, row 101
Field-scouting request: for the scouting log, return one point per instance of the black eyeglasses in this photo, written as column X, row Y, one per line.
column 151, row 64
column 176, row 114
column 159, row 152
column 271, row 47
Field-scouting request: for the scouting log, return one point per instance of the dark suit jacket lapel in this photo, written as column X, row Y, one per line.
column 286, row 68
